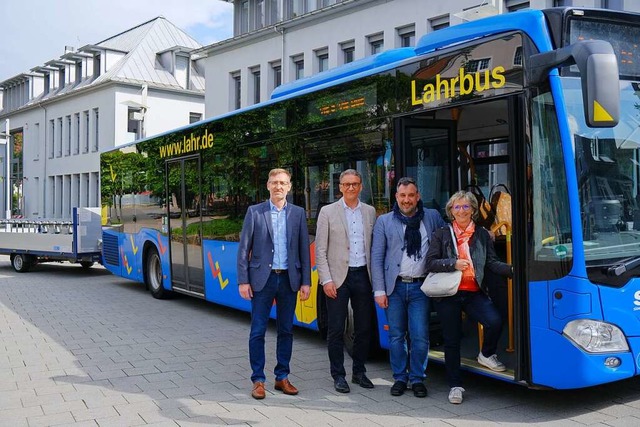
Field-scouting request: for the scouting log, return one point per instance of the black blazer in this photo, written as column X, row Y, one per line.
column 441, row 255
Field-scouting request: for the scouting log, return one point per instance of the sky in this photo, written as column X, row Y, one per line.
column 36, row 31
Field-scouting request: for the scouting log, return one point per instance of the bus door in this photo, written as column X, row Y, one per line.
column 427, row 151
column 474, row 147
column 185, row 224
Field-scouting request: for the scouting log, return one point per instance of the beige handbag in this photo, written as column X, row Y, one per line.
column 444, row 284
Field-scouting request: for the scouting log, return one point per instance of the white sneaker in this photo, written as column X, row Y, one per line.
column 455, row 395
column 491, row 362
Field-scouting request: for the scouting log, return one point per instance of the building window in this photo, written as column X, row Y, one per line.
column 259, row 15
column 36, row 137
column 475, row 65
column 76, row 133
column 298, row 67
column 273, row 12
column 439, row 22
column 300, row 7
column 67, row 147
column 322, row 56
column 325, row 3
column 244, row 17
column 78, row 71
column 96, row 65
column 513, row 5
column 348, row 51
column 276, row 69
column 255, row 76
column 134, row 121
column 194, row 117
column 47, row 83
column 376, row 43
column 517, row 57
column 59, row 138
column 51, row 139
column 61, row 78
column 85, row 142
column 407, row 36
column 237, row 90
column 96, row 130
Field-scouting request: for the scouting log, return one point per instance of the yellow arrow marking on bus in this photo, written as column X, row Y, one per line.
column 133, row 246
column 113, row 175
column 215, row 271
column 600, row 114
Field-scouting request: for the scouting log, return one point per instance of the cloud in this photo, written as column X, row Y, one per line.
column 36, row 31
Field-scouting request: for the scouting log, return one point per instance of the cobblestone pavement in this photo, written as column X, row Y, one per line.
column 85, row 348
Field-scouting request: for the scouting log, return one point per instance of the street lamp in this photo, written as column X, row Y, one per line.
column 5, row 138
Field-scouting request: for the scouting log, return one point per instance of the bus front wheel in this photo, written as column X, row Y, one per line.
column 153, row 275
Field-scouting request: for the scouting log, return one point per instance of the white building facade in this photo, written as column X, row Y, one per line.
column 279, row 41
column 63, row 114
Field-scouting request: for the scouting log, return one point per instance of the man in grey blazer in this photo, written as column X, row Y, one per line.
column 273, row 264
column 343, row 245
column 398, row 267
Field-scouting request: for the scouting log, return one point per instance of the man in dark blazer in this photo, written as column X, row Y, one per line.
column 273, row 264
column 343, row 246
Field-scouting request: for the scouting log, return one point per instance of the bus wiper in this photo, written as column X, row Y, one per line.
column 619, row 268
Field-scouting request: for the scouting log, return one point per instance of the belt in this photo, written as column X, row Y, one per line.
column 411, row 279
column 277, row 271
column 359, row 268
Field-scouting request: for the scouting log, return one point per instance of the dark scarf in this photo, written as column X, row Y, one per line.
column 412, row 237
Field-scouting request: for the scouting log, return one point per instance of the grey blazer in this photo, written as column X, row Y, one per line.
column 255, row 253
column 332, row 241
column 386, row 248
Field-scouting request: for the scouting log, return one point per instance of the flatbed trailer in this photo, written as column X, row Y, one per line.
column 29, row 242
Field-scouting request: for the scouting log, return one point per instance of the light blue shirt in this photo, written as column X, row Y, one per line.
column 279, row 224
column 355, row 231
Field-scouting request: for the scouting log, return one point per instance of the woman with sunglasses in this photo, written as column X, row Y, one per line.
column 475, row 252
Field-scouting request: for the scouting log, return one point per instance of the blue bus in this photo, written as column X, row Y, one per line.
column 536, row 112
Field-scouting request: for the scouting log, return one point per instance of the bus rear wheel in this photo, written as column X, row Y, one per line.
column 153, row 275
column 86, row 264
column 21, row 263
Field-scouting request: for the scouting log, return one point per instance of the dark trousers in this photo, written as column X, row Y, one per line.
column 480, row 309
column 357, row 288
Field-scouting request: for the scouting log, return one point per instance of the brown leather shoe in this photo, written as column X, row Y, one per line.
column 258, row 390
column 286, row 387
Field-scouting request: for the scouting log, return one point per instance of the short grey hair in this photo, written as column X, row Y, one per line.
column 351, row 172
column 463, row 195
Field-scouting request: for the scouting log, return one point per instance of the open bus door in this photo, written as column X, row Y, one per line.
column 185, row 225
column 474, row 146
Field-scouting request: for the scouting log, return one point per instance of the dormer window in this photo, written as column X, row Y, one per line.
column 61, row 78
column 96, row 65
column 78, row 71
column 47, row 83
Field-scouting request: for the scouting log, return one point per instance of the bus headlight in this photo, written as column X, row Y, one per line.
column 594, row 336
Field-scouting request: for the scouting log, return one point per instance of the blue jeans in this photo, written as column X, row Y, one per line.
column 479, row 308
column 278, row 289
column 408, row 318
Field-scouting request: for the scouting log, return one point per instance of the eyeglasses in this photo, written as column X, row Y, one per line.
column 280, row 183
column 353, row 185
column 463, row 207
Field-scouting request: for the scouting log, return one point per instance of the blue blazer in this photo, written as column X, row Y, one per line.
column 386, row 248
column 255, row 254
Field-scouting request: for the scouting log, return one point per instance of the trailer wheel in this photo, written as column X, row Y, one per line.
column 153, row 275
column 86, row 264
column 21, row 263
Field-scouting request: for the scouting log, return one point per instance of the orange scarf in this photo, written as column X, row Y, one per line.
column 468, row 282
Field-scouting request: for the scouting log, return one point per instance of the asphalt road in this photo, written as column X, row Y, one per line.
column 85, row 348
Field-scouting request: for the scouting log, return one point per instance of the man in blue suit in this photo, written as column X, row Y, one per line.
column 273, row 264
column 398, row 268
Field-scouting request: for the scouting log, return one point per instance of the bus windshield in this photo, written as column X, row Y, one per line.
column 608, row 168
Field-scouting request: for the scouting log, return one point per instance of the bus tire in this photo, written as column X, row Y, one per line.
column 153, row 274
column 86, row 264
column 21, row 263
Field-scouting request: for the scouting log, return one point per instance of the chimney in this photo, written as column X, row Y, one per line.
column 68, row 49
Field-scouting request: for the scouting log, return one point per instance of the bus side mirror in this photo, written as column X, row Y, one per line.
column 599, row 75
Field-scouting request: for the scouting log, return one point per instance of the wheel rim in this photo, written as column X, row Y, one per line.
column 18, row 262
column 155, row 272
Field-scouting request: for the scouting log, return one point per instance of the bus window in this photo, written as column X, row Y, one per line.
column 549, row 199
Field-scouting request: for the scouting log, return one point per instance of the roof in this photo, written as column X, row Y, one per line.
column 139, row 65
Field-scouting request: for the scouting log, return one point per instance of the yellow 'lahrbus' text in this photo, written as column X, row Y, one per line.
column 463, row 84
